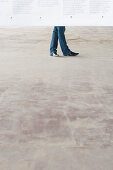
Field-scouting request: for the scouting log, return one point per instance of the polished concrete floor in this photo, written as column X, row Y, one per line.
column 56, row 113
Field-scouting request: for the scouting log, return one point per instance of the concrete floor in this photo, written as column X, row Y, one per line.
column 56, row 113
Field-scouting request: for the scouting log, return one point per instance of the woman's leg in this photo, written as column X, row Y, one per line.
column 62, row 40
column 54, row 41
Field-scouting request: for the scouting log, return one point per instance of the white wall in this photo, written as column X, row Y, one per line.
column 56, row 12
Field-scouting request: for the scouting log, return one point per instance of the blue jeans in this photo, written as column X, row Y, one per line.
column 58, row 34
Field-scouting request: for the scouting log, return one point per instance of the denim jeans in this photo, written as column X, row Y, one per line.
column 58, row 34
